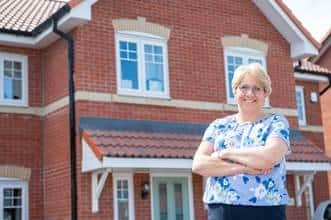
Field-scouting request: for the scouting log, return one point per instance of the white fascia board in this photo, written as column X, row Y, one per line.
column 77, row 16
column 307, row 166
column 310, row 77
column 89, row 161
column 300, row 45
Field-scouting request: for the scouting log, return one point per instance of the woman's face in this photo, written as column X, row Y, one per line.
column 250, row 95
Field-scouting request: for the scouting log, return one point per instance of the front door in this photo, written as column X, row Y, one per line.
column 170, row 198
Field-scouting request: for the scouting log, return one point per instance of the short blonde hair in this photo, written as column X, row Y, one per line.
column 256, row 70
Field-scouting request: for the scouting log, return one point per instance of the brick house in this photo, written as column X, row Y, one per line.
column 149, row 77
column 312, row 84
column 323, row 59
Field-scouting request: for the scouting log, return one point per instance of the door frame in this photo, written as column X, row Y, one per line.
column 174, row 174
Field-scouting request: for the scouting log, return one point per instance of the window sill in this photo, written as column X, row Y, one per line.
column 14, row 104
column 143, row 95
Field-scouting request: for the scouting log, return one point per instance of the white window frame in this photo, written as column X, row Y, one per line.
column 140, row 39
column 15, row 183
column 129, row 178
column 24, row 60
column 245, row 54
column 302, row 122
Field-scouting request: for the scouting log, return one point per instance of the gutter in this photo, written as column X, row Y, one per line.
column 299, row 70
column 72, row 122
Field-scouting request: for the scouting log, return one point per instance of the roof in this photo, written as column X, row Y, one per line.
column 305, row 66
column 26, row 17
column 37, row 17
column 325, row 45
column 155, row 139
column 298, row 23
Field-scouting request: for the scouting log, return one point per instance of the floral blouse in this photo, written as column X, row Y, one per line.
column 245, row 189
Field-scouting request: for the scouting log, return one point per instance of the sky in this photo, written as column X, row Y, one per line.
column 315, row 15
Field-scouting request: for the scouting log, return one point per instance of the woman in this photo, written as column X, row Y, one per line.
column 244, row 155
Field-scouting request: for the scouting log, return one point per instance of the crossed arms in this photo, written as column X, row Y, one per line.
column 232, row 161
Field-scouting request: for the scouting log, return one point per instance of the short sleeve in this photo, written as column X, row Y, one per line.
column 280, row 128
column 210, row 132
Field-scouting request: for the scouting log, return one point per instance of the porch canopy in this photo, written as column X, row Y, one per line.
column 110, row 144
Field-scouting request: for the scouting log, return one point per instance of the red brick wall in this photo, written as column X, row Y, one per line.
column 56, row 165
column 55, row 72
column 195, row 60
column 325, row 61
column 20, row 135
column 313, row 109
column 21, row 146
column 194, row 48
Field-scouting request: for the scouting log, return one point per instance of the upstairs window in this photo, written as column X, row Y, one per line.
column 300, row 99
column 142, row 65
column 234, row 57
column 13, row 79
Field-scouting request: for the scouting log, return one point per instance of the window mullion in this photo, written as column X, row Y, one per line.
column 143, row 69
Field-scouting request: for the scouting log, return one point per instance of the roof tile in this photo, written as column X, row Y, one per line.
column 26, row 15
column 168, row 145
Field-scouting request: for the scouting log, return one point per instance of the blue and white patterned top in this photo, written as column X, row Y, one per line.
column 245, row 189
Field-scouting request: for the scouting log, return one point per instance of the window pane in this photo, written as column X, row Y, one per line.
column 157, row 49
column 8, row 93
column 158, row 59
column 12, row 214
column 18, row 74
column 123, row 210
column 179, row 201
column 133, row 46
column 13, row 89
column 124, row 54
column 133, row 56
column 17, row 89
column 8, row 192
column 251, row 60
column 129, row 74
column 163, row 202
column 123, row 199
column 148, row 58
column 129, row 65
column 8, row 64
column 148, row 48
column 123, row 45
column 7, row 202
column 17, row 66
column 12, row 204
column 8, row 73
column 232, row 64
column 12, row 80
column 299, row 105
column 154, row 68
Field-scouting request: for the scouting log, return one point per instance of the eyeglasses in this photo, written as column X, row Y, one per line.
column 255, row 89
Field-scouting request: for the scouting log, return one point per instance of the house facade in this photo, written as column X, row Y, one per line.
column 149, row 77
column 323, row 59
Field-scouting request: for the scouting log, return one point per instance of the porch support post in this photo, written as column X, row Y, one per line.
column 299, row 189
column 97, row 187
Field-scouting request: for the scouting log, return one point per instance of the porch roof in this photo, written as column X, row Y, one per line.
column 112, row 140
